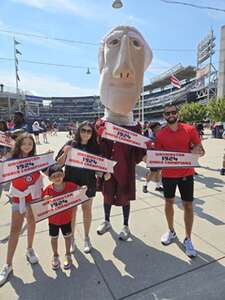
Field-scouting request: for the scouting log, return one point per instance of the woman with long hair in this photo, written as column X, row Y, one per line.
column 85, row 139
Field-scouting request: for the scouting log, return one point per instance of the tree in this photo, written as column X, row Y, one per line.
column 193, row 112
column 216, row 109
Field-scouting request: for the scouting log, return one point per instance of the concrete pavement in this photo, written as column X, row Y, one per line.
column 141, row 268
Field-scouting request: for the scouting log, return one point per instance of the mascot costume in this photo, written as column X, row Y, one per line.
column 124, row 55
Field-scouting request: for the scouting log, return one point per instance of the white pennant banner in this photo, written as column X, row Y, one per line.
column 12, row 169
column 82, row 159
column 169, row 159
column 6, row 141
column 123, row 135
column 43, row 209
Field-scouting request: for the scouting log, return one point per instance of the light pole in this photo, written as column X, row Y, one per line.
column 142, row 107
column 117, row 4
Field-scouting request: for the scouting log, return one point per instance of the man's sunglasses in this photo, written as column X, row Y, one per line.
column 173, row 113
column 88, row 131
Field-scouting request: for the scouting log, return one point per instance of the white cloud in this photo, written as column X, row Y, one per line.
column 88, row 9
column 46, row 85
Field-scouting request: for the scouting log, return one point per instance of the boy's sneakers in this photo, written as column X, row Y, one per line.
column 125, row 233
column 4, row 274
column 87, row 245
column 67, row 262
column 31, row 256
column 55, row 262
column 189, row 248
column 104, row 227
column 145, row 189
column 167, row 238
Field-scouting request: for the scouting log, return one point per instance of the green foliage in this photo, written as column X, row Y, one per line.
column 193, row 112
column 216, row 109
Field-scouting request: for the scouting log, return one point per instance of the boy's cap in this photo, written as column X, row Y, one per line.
column 53, row 169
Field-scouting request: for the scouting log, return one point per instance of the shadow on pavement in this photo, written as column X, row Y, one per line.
column 142, row 266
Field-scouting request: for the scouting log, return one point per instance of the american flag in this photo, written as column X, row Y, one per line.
column 175, row 82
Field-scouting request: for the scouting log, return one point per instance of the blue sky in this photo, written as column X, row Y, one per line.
column 164, row 26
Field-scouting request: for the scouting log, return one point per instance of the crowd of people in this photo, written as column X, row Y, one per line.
column 173, row 136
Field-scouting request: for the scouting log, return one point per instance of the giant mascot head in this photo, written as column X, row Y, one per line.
column 124, row 55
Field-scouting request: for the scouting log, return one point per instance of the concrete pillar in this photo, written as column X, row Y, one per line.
column 221, row 77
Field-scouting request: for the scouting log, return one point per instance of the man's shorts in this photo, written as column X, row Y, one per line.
column 185, row 186
column 66, row 230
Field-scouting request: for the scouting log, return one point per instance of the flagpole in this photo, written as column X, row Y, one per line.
column 17, row 87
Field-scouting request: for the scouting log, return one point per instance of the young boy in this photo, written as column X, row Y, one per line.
column 61, row 220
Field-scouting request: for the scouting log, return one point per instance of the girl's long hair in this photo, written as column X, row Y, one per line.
column 16, row 151
column 93, row 139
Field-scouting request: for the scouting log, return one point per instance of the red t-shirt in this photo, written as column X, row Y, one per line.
column 180, row 140
column 65, row 216
column 23, row 183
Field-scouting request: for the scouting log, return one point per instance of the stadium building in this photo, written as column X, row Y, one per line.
column 66, row 109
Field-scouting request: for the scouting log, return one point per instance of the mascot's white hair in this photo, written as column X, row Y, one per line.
column 147, row 49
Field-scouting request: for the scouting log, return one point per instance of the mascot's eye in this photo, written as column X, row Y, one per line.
column 136, row 43
column 114, row 42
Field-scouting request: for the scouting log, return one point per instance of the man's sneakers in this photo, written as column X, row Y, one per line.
column 104, row 227
column 145, row 189
column 4, row 274
column 167, row 238
column 125, row 233
column 31, row 256
column 189, row 248
column 87, row 245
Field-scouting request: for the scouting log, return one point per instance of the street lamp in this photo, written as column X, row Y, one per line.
column 117, row 4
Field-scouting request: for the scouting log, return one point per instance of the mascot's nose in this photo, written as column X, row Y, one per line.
column 124, row 68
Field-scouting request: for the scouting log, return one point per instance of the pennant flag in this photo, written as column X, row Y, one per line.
column 18, row 52
column 16, row 42
column 175, row 82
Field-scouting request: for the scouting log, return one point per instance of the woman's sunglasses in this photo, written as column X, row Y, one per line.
column 88, row 131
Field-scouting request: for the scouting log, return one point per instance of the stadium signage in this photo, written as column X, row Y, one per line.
column 16, row 168
column 44, row 208
column 119, row 134
column 81, row 159
column 6, row 141
column 169, row 159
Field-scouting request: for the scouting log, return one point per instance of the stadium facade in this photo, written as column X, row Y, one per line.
column 66, row 109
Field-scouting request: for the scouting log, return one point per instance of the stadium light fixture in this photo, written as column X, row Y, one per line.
column 117, row 4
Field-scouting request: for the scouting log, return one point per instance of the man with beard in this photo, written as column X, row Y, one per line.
column 179, row 137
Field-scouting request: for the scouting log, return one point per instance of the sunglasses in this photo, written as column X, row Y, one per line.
column 173, row 113
column 88, row 131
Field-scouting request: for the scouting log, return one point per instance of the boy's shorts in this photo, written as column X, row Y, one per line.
column 66, row 230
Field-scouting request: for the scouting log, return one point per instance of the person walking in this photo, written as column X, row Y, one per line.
column 180, row 137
